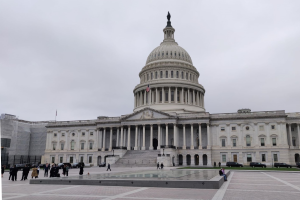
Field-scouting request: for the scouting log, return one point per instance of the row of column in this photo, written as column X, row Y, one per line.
column 289, row 125
column 120, row 142
column 186, row 96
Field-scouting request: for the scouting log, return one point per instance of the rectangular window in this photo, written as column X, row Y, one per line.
column 294, row 141
column 182, row 75
column 273, row 127
column 223, row 158
column 233, row 128
column 161, row 74
column 172, row 95
column 81, row 159
column 223, row 142
column 55, row 134
column 90, row 159
column 262, row 141
column 62, row 145
column 63, row 134
column 177, row 74
column 222, row 128
column 91, row 145
column 263, row 157
column 249, row 158
column 61, row 159
column 151, row 75
column 91, row 133
column 274, row 141
column 147, row 77
column 54, row 145
column 155, row 75
column 234, row 142
column 275, row 157
column 261, row 128
column 83, row 133
column 167, row 74
column 82, row 146
column 53, row 159
column 171, row 74
column 72, row 145
column 248, row 141
column 166, row 96
column 292, row 129
column 71, row 159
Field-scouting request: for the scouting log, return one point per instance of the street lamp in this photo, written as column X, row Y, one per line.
column 163, row 152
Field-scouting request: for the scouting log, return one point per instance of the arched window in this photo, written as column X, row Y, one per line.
column 166, row 53
column 186, row 76
column 166, row 74
column 147, row 77
column 182, row 75
column 171, row 74
column 171, row 53
column 155, row 75
column 161, row 74
column 248, row 140
column 162, row 54
column 190, row 76
column 151, row 75
column 177, row 74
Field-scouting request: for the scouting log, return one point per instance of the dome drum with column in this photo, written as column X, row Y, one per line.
column 172, row 78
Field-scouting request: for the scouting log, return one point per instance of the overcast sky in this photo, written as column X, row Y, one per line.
column 83, row 57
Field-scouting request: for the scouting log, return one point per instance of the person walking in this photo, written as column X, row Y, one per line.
column 38, row 170
column 10, row 172
column 2, row 170
column 52, row 171
column 158, row 165
column 23, row 173
column 27, row 169
column 34, row 172
column 14, row 173
column 46, row 170
column 108, row 167
column 64, row 170
column 81, row 170
column 219, row 164
column 161, row 166
column 67, row 170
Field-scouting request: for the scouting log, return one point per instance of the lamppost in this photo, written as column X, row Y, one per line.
column 163, row 152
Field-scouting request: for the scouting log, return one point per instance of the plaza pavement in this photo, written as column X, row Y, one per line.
column 240, row 186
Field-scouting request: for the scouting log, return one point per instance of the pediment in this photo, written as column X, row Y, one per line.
column 148, row 113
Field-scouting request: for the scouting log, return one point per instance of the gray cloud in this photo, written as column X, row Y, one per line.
column 83, row 57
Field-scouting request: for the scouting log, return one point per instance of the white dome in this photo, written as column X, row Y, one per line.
column 169, row 50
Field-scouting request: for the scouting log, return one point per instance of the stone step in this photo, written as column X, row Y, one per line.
column 138, row 158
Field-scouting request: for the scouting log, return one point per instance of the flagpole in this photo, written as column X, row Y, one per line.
column 55, row 115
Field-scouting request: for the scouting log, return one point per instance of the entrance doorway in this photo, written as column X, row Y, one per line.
column 297, row 158
column 234, row 158
column 180, row 159
column 196, row 159
column 155, row 143
column 188, row 159
column 204, row 159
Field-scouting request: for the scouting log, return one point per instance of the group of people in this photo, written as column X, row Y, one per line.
column 215, row 164
column 161, row 165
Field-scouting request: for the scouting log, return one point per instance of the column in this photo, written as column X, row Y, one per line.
column 110, row 139
column 169, row 94
column 141, row 99
column 175, row 95
column 151, row 137
column 145, row 97
column 192, row 136
column 184, row 142
column 134, row 100
column 159, row 137
column 156, row 95
column 152, row 97
column 174, row 135
column 144, row 147
column 184, row 160
column 103, row 146
column 149, row 97
column 298, row 127
column 167, row 134
column 182, row 95
column 208, row 137
column 135, row 139
column 163, row 95
column 121, row 137
column 268, row 135
column 96, row 142
column 100, row 139
column 290, row 134
column 194, row 101
column 117, row 144
column 197, row 98
column 186, row 97
column 201, row 100
column 124, row 137
column 128, row 139
column 200, row 139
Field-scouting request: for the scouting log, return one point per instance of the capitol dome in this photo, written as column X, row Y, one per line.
column 169, row 81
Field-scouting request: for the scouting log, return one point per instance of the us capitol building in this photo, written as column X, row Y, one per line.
column 169, row 124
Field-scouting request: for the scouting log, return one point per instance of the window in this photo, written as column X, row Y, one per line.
column 233, row 128
column 234, row 142
column 83, row 133
column 151, row 75
column 275, row 157
column 155, row 75
column 73, row 134
column 172, row 95
column 186, row 76
column 147, row 77
column 71, row 159
column 55, row 134
column 62, row 145
column 91, row 133
column 82, row 146
column 161, row 74
column 167, row 74
column 223, row 158
column 182, row 75
column 54, row 145
column 248, row 141
column 190, row 76
column 162, row 54
column 261, row 128
column 81, row 159
column 171, row 74
column 249, row 158
column 247, row 128
column 90, row 159
column 222, row 128
column 63, row 134
column 177, row 74
column 91, row 145
column 166, row 96
column 178, row 96
column 292, row 129
column 61, row 159
column 262, row 142
column 274, row 141
column 160, row 96
column 72, row 145
column 166, row 53
column 273, row 127
column 53, row 159
column 223, row 142
column 294, row 141
column 263, row 157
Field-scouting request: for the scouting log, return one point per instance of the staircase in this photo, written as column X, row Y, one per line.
column 138, row 158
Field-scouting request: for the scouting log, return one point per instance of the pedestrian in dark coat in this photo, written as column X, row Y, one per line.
column 108, row 167
column 27, row 169
column 15, row 173
column 24, row 173
column 52, row 171
column 64, row 170
column 81, row 170
column 161, row 166
column 215, row 164
column 46, row 170
column 158, row 165
column 2, row 170
column 67, row 170
column 219, row 164
column 10, row 172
